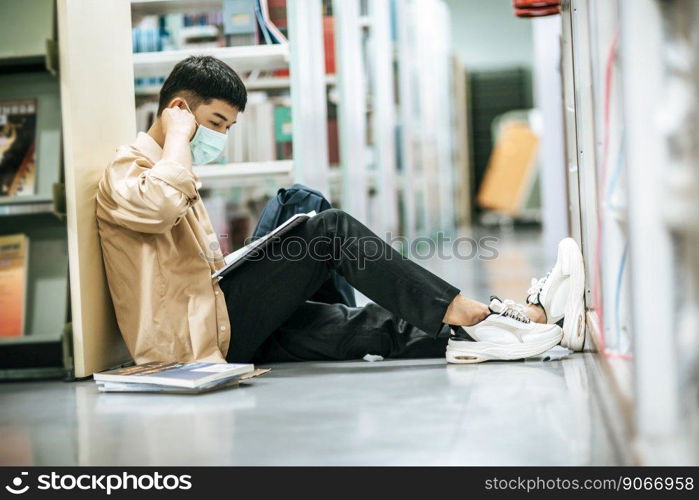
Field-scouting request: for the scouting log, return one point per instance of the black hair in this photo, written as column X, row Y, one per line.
column 200, row 79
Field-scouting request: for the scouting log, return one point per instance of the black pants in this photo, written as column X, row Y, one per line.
column 272, row 318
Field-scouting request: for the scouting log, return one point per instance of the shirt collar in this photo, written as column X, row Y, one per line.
column 147, row 145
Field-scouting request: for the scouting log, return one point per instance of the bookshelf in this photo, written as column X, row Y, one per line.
column 25, row 64
column 140, row 8
column 255, row 63
column 236, row 174
column 383, row 177
column 252, row 84
column 256, row 57
column 268, row 83
column 409, row 123
column 69, row 142
column 308, row 91
column 395, row 102
column 352, row 108
column 247, row 59
column 26, row 32
column 632, row 207
column 376, row 132
column 39, row 205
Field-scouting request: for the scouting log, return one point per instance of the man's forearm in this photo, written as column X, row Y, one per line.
column 176, row 148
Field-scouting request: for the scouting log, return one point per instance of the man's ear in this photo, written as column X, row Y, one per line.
column 177, row 102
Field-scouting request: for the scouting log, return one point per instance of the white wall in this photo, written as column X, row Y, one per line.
column 486, row 34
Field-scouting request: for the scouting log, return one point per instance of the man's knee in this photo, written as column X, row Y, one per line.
column 331, row 219
column 332, row 213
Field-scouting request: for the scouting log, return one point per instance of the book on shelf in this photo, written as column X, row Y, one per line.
column 283, row 131
column 14, row 257
column 259, row 127
column 159, row 376
column 253, row 138
column 18, row 147
column 278, row 16
column 240, row 22
column 282, row 124
column 329, row 44
column 333, row 136
column 333, row 142
column 200, row 37
column 175, row 31
column 270, row 32
column 236, row 23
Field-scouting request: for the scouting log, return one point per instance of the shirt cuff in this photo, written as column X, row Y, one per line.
column 177, row 176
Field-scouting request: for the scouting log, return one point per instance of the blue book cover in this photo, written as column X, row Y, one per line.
column 239, row 17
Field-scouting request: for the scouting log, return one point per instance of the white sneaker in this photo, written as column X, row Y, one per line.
column 560, row 293
column 506, row 333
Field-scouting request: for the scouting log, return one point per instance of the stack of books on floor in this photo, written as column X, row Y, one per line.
column 179, row 378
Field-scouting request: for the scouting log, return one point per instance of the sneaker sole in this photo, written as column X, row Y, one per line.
column 478, row 352
column 574, row 324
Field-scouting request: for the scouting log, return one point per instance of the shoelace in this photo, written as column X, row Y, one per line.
column 537, row 285
column 512, row 309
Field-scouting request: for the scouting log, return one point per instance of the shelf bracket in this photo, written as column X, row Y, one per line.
column 52, row 60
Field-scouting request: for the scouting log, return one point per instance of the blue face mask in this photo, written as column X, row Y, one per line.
column 206, row 145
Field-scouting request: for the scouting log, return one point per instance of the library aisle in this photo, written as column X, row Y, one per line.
column 194, row 190
column 391, row 412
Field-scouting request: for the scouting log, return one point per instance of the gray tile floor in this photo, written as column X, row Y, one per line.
column 351, row 413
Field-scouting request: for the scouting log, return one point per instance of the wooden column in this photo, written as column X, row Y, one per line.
column 98, row 114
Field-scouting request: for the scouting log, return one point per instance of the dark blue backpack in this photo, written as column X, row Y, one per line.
column 299, row 199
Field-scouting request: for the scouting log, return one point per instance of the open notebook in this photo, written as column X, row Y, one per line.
column 235, row 259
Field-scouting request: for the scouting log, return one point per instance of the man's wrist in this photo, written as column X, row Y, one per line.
column 176, row 147
column 179, row 135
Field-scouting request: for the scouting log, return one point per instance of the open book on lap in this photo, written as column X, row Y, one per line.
column 235, row 259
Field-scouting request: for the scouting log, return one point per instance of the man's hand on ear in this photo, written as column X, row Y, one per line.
column 178, row 122
column 179, row 126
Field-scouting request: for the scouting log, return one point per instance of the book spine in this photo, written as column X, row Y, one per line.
column 329, row 44
column 14, row 253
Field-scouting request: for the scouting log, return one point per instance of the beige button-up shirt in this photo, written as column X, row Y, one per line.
column 159, row 251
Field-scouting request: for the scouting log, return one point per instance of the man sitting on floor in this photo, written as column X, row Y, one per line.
column 160, row 251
